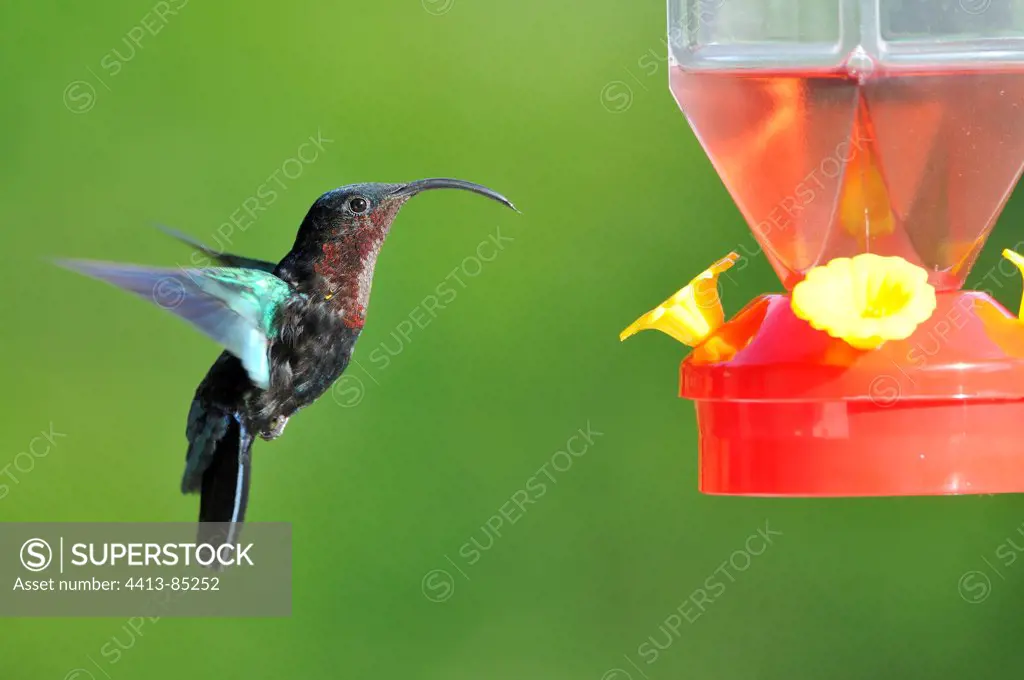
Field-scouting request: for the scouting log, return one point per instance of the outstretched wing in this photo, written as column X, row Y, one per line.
column 226, row 259
column 234, row 307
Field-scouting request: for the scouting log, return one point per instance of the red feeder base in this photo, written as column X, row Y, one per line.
column 796, row 412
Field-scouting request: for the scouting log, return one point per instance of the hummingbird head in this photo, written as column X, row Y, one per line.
column 374, row 205
column 337, row 246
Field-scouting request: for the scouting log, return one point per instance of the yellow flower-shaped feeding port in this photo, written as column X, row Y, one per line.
column 691, row 315
column 865, row 300
column 1019, row 261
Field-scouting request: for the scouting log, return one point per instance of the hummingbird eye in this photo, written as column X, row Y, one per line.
column 358, row 205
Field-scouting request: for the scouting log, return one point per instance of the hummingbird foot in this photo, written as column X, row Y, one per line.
column 276, row 429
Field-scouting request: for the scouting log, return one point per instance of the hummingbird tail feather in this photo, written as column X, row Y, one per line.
column 218, row 467
column 207, row 425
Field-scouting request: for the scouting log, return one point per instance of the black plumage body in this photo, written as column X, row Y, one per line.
column 310, row 353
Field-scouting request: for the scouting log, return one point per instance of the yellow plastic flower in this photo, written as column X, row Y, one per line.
column 692, row 314
column 865, row 300
column 1019, row 261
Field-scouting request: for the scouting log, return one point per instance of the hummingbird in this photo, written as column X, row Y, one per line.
column 288, row 330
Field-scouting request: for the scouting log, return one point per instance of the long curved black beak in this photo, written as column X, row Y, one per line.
column 413, row 188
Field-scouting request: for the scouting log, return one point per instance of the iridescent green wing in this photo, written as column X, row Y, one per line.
column 234, row 307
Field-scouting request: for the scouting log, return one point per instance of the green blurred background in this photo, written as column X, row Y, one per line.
column 565, row 108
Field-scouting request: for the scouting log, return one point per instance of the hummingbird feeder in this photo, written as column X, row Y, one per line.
column 870, row 145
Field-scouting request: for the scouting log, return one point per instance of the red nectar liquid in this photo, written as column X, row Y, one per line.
column 828, row 164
